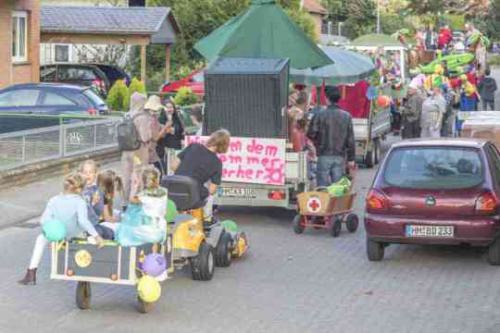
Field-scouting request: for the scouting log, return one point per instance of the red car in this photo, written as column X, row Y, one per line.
column 195, row 81
column 436, row 192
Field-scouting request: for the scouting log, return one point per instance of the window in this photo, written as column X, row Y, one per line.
column 55, row 99
column 94, row 98
column 75, row 74
column 25, row 97
column 61, row 53
column 434, row 168
column 19, row 36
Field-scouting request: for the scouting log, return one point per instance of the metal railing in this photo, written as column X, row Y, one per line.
column 55, row 142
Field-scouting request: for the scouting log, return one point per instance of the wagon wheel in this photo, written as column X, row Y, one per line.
column 352, row 222
column 336, row 227
column 83, row 295
column 144, row 307
column 298, row 227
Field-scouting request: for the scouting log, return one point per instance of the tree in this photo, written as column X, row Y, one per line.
column 361, row 19
column 359, row 16
column 493, row 20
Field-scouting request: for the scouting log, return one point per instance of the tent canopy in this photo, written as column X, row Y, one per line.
column 349, row 67
column 263, row 31
column 376, row 40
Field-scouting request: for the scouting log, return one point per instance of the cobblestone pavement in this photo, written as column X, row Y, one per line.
column 287, row 283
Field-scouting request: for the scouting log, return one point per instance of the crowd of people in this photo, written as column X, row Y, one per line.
column 432, row 98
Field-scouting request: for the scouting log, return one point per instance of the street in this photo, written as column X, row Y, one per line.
column 286, row 283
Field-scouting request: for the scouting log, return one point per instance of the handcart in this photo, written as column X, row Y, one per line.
column 319, row 210
column 78, row 260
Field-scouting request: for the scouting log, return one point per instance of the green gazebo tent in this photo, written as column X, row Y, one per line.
column 263, row 31
column 349, row 67
column 376, row 40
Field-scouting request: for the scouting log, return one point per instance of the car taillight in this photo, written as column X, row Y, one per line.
column 376, row 201
column 92, row 111
column 276, row 195
column 487, row 203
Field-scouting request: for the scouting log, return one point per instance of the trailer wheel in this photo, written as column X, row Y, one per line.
column 298, row 228
column 83, row 295
column 352, row 222
column 144, row 307
column 336, row 227
column 369, row 158
column 202, row 266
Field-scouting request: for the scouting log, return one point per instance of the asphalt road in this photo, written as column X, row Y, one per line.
column 287, row 283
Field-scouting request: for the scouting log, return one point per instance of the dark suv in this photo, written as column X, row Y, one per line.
column 99, row 76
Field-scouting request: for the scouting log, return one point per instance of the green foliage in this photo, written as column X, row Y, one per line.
column 118, row 96
column 362, row 17
column 305, row 21
column 391, row 23
column 456, row 22
column 337, row 9
column 420, row 7
column 493, row 20
column 136, row 85
column 185, row 96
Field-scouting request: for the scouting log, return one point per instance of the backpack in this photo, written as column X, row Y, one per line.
column 127, row 134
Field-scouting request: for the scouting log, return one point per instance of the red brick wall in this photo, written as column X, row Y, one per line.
column 29, row 71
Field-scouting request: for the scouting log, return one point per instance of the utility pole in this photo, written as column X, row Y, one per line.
column 378, row 16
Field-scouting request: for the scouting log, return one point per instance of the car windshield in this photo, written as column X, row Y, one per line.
column 94, row 98
column 434, row 168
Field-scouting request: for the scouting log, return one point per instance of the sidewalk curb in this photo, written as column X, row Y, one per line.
column 43, row 170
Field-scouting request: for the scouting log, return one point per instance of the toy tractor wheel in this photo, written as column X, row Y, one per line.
column 336, row 227
column 223, row 251
column 144, row 307
column 352, row 222
column 83, row 295
column 298, row 227
column 202, row 266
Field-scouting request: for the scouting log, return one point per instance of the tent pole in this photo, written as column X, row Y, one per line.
column 143, row 63
column 167, row 63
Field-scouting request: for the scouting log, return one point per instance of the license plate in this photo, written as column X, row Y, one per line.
column 431, row 231
column 234, row 192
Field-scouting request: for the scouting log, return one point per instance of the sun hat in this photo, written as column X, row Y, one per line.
column 154, row 104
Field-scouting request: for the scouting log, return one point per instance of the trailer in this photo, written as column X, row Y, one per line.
column 249, row 97
column 369, row 133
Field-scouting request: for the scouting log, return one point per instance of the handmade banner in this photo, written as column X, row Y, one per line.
column 251, row 160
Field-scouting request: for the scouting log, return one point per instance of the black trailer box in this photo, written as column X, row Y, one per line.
column 247, row 96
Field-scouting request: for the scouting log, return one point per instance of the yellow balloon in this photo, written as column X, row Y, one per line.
column 148, row 289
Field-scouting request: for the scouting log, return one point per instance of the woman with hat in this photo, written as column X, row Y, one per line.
column 154, row 106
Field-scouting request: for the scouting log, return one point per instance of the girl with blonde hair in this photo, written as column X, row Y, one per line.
column 70, row 208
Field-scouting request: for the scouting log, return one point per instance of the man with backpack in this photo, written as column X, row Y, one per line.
column 135, row 136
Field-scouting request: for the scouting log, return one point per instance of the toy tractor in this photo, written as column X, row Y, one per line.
column 201, row 245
